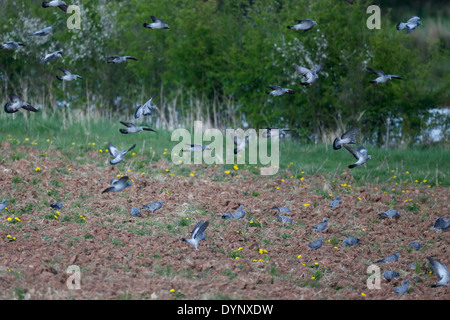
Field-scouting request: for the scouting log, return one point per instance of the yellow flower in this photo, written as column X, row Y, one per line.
column 359, row 198
column 9, row 218
column 313, row 277
column 237, row 258
column 17, row 219
column 192, row 174
column 407, row 172
column 8, row 236
column 424, row 181
column 38, row 169
column 26, row 139
column 363, row 294
column 100, row 150
column 70, row 169
column 235, row 167
column 301, row 179
column 172, row 290
column 306, row 204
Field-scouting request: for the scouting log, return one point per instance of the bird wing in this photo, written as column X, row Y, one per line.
column 303, row 71
column 318, row 68
column 377, row 72
column 113, row 150
column 350, row 133
column 132, row 147
column 112, row 57
column 199, row 228
column 138, row 112
column 123, row 180
column 65, row 71
column 128, row 124
column 354, row 152
column 149, row 102
column 413, row 19
column 362, row 150
column 14, row 98
column 274, row 87
column 395, row 76
column 155, row 19
column 130, row 57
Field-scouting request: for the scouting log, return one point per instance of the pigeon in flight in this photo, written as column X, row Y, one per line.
column 56, row 205
column 55, row 3
column 3, row 205
column 242, row 143
column 390, row 214
column 153, row 206
column 392, row 258
column 132, row 128
column 335, row 202
column 410, row 25
column 415, row 245
column 310, row 76
column 321, row 225
column 68, row 76
column 441, row 271
column 238, row 214
column 117, row 154
column 360, row 155
column 198, row 234
column 118, row 185
column 279, row 91
column 43, row 32
column 382, row 77
column 156, row 24
column 282, row 209
column 350, row 241
column 196, row 147
column 389, row 275
column 135, row 212
column 281, row 132
column 305, row 25
column 441, row 224
column 146, row 109
column 119, row 59
column 16, row 103
column 52, row 56
column 403, row 288
column 284, row 219
column 347, row 138
column 315, row 244
column 11, row 45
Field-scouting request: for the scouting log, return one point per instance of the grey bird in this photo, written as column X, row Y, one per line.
column 52, row 56
column 119, row 59
column 390, row 214
column 146, row 109
column 335, row 202
column 392, row 258
column 271, row 132
column 389, row 275
column 16, row 103
column 382, row 77
column 441, row 272
column 132, row 128
column 305, row 25
column 198, row 234
column 56, row 205
column 349, row 137
column 403, row 288
column 153, row 206
column 315, row 244
column 3, row 205
column 135, row 212
column 310, row 76
column 415, row 245
column 284, row 219
column 321, row 225
column 238, row 214
column 410, row 25
column 55, row 3
column 43, row 32
column 117, row 154
column 282, row 209
column 241, row 143
column 68, row 76
column 279, row 91
column 441, row 224
column 11, row 45
column 360, row 155
column 156, row 24
column 350, row 241
column 118, row 185
column 194, row 147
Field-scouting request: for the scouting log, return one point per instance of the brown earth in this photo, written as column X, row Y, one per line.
column 121, row 256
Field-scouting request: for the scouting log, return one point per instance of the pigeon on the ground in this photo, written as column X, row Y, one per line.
column 310, row 76
column 3, row 205
column 441, row 272
column 271, row 132
column 56, row 205
column 335, row 202
column 441, row 224
column 305, row 25
column 118, row 185
column 52, row 56
column 389, row 275
column 238, row 214
column 68, row 76
column 194, row 147
column 156, row 24
column 321, row 225
column 135, row 212
column 415, row 245
column 119, row 59
column 117, row 154
column 11, row 45
column 360, row 155
column 282, row 209
column 347, row 138
column 410, row 25
column 390, row 214
column 132, row 128
column 55, row 3
column 392, row 258
column 198, row 234
column 284, row 219
column 153, row 206
column 43, row 32
column 403, row 288
column 279, row 91
column 382, row 77
column 16, row 103
column 315, row 244
column 350, row 241
column 146, row 109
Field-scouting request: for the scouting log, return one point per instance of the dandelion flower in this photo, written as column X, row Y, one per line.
column 306, row 204
column 38, row 169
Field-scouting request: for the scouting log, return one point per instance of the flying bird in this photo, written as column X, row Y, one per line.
column 310, row 76
column 119, row 59
column 68, row 76
column 16, row 103
column 321, row 225
column 242, row 143
column 360, row 155
column 43, row 32
column 279, row 91
column 349, row 137
column 117, row 154
column 390, row 214
column 52, row 56
column 441, row 224
column 284, row 219
column 194, row 147
column 403, row 288
column 132, row 128
column 156, row 24
column 272, row 132
column 153, row 206
column 238, row 214
column 410, row 25
column 441, row 271
column 146, row 109
column 118, row 185
column 198, row 234
column 392, row 258
column 11, row 45
column 315, row 244
column 305, row 25
column 382, row 77
column 282, row 209
column 55, row 3
column 335, row 202
column 350, row 241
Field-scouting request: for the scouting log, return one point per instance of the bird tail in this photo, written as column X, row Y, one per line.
column 29, row 107
column 268, row 92
column 352, row 166
column 373, row 81
column 401, row 26
column 149, row 129
column 336, row 145
column 124, row 131
column 226, row 216
column 59, row 78
column 289, row 27
column 146, row 25
column 45, row 4
column 235, row 150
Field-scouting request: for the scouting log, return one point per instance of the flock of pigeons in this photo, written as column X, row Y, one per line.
column 198, row 233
